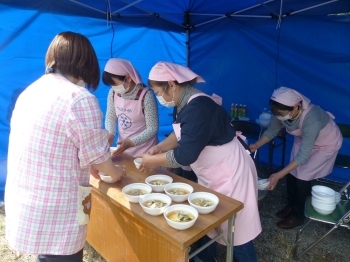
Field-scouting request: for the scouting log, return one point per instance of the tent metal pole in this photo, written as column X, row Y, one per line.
column 222, row 17
column 87, row 6
column 311, row 7
column 127, row 6
column 151, row 13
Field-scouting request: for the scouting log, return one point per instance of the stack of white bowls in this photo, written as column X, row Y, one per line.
column 337, row 197
column 323, row 199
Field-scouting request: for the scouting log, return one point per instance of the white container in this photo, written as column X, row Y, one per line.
column 323, row 191
column 158, row 177
column 322, row 203
column 112, row 149
column 326, row 200
column 137, row 162
column 203, row 195
column 175, row 197
column 106, row 178
column 263, row 183
column 153, row 211
column 180, row 225
column 323, row 211
column 134, row 186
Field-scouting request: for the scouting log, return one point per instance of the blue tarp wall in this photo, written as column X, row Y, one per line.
column 243, row 58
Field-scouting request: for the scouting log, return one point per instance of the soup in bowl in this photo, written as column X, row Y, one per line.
column 135, row 191
column 178, row 192
column 180, row 217
column 203, row 202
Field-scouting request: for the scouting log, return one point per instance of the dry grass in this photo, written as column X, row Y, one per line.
column 272, row 245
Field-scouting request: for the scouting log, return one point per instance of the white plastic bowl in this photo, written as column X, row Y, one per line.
column 337, row 197
column 141, row 186
column 158, row 188
column 181, row 225
column 263, row 183
column 155, row 196
column 112, row 149
column 321, row 203
column 205, row 195
column 106, row 178
column 323, row 191
column 323, row 211
column 328, row 199
column 137, row 162
column 178, row 198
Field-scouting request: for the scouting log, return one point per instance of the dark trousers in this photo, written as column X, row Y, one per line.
column 190, row 175
column 297, row 191
column 242, row 253
column 77, row 257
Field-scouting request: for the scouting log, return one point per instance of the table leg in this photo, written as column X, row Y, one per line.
column 230, row 234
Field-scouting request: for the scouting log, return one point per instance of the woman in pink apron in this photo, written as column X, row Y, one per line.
column 132, row 106
column 204, row 140
column 317, row 140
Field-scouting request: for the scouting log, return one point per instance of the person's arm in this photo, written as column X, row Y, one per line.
column 156, row 155
column 274, row 127
column 107, row 167
column 274, row 178
column 85, row 131
column 111, row 118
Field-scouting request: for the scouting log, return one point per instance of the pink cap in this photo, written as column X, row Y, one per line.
column 166, row 71
column 122, row 67
column 290, row 97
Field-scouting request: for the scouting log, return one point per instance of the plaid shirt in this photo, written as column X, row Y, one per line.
column 55, row 136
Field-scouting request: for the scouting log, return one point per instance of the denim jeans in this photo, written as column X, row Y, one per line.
column 242, row 253
column 77, row 257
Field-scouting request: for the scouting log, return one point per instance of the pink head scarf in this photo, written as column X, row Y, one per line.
column 166, row 71
column 290, row 97
column 122, row 67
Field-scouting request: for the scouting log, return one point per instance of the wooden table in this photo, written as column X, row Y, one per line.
column 122, row 231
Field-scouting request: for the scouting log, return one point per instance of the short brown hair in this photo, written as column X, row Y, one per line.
column 73, row 55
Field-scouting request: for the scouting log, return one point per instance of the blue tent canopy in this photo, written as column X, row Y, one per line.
column 243, row 49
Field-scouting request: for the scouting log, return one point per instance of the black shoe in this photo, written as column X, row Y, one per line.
column 284, row 212
column 290, row 222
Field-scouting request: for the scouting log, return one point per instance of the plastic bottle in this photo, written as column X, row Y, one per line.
column 232, row 111
column 245, row 113
column 240, row 110
column 236, row 110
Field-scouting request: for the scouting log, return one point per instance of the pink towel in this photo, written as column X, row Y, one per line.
column 122, row 67
column 166, row 71
column 289, row 97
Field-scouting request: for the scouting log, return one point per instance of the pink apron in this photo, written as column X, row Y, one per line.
column 324, row 152
column 229, row 170
column 131, row 122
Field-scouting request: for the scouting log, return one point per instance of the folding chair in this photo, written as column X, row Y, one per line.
column 339, row 218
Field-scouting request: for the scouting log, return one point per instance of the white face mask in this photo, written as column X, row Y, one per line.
column 120, row 89
column 284, row 118
column 165, row 103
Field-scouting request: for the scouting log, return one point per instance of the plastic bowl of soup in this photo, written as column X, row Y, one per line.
column 158, row 182
column 154, row 204
column 135, row 191
column 204, row 202
column 106, row 178
column 178, row 192
column 180, row 217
